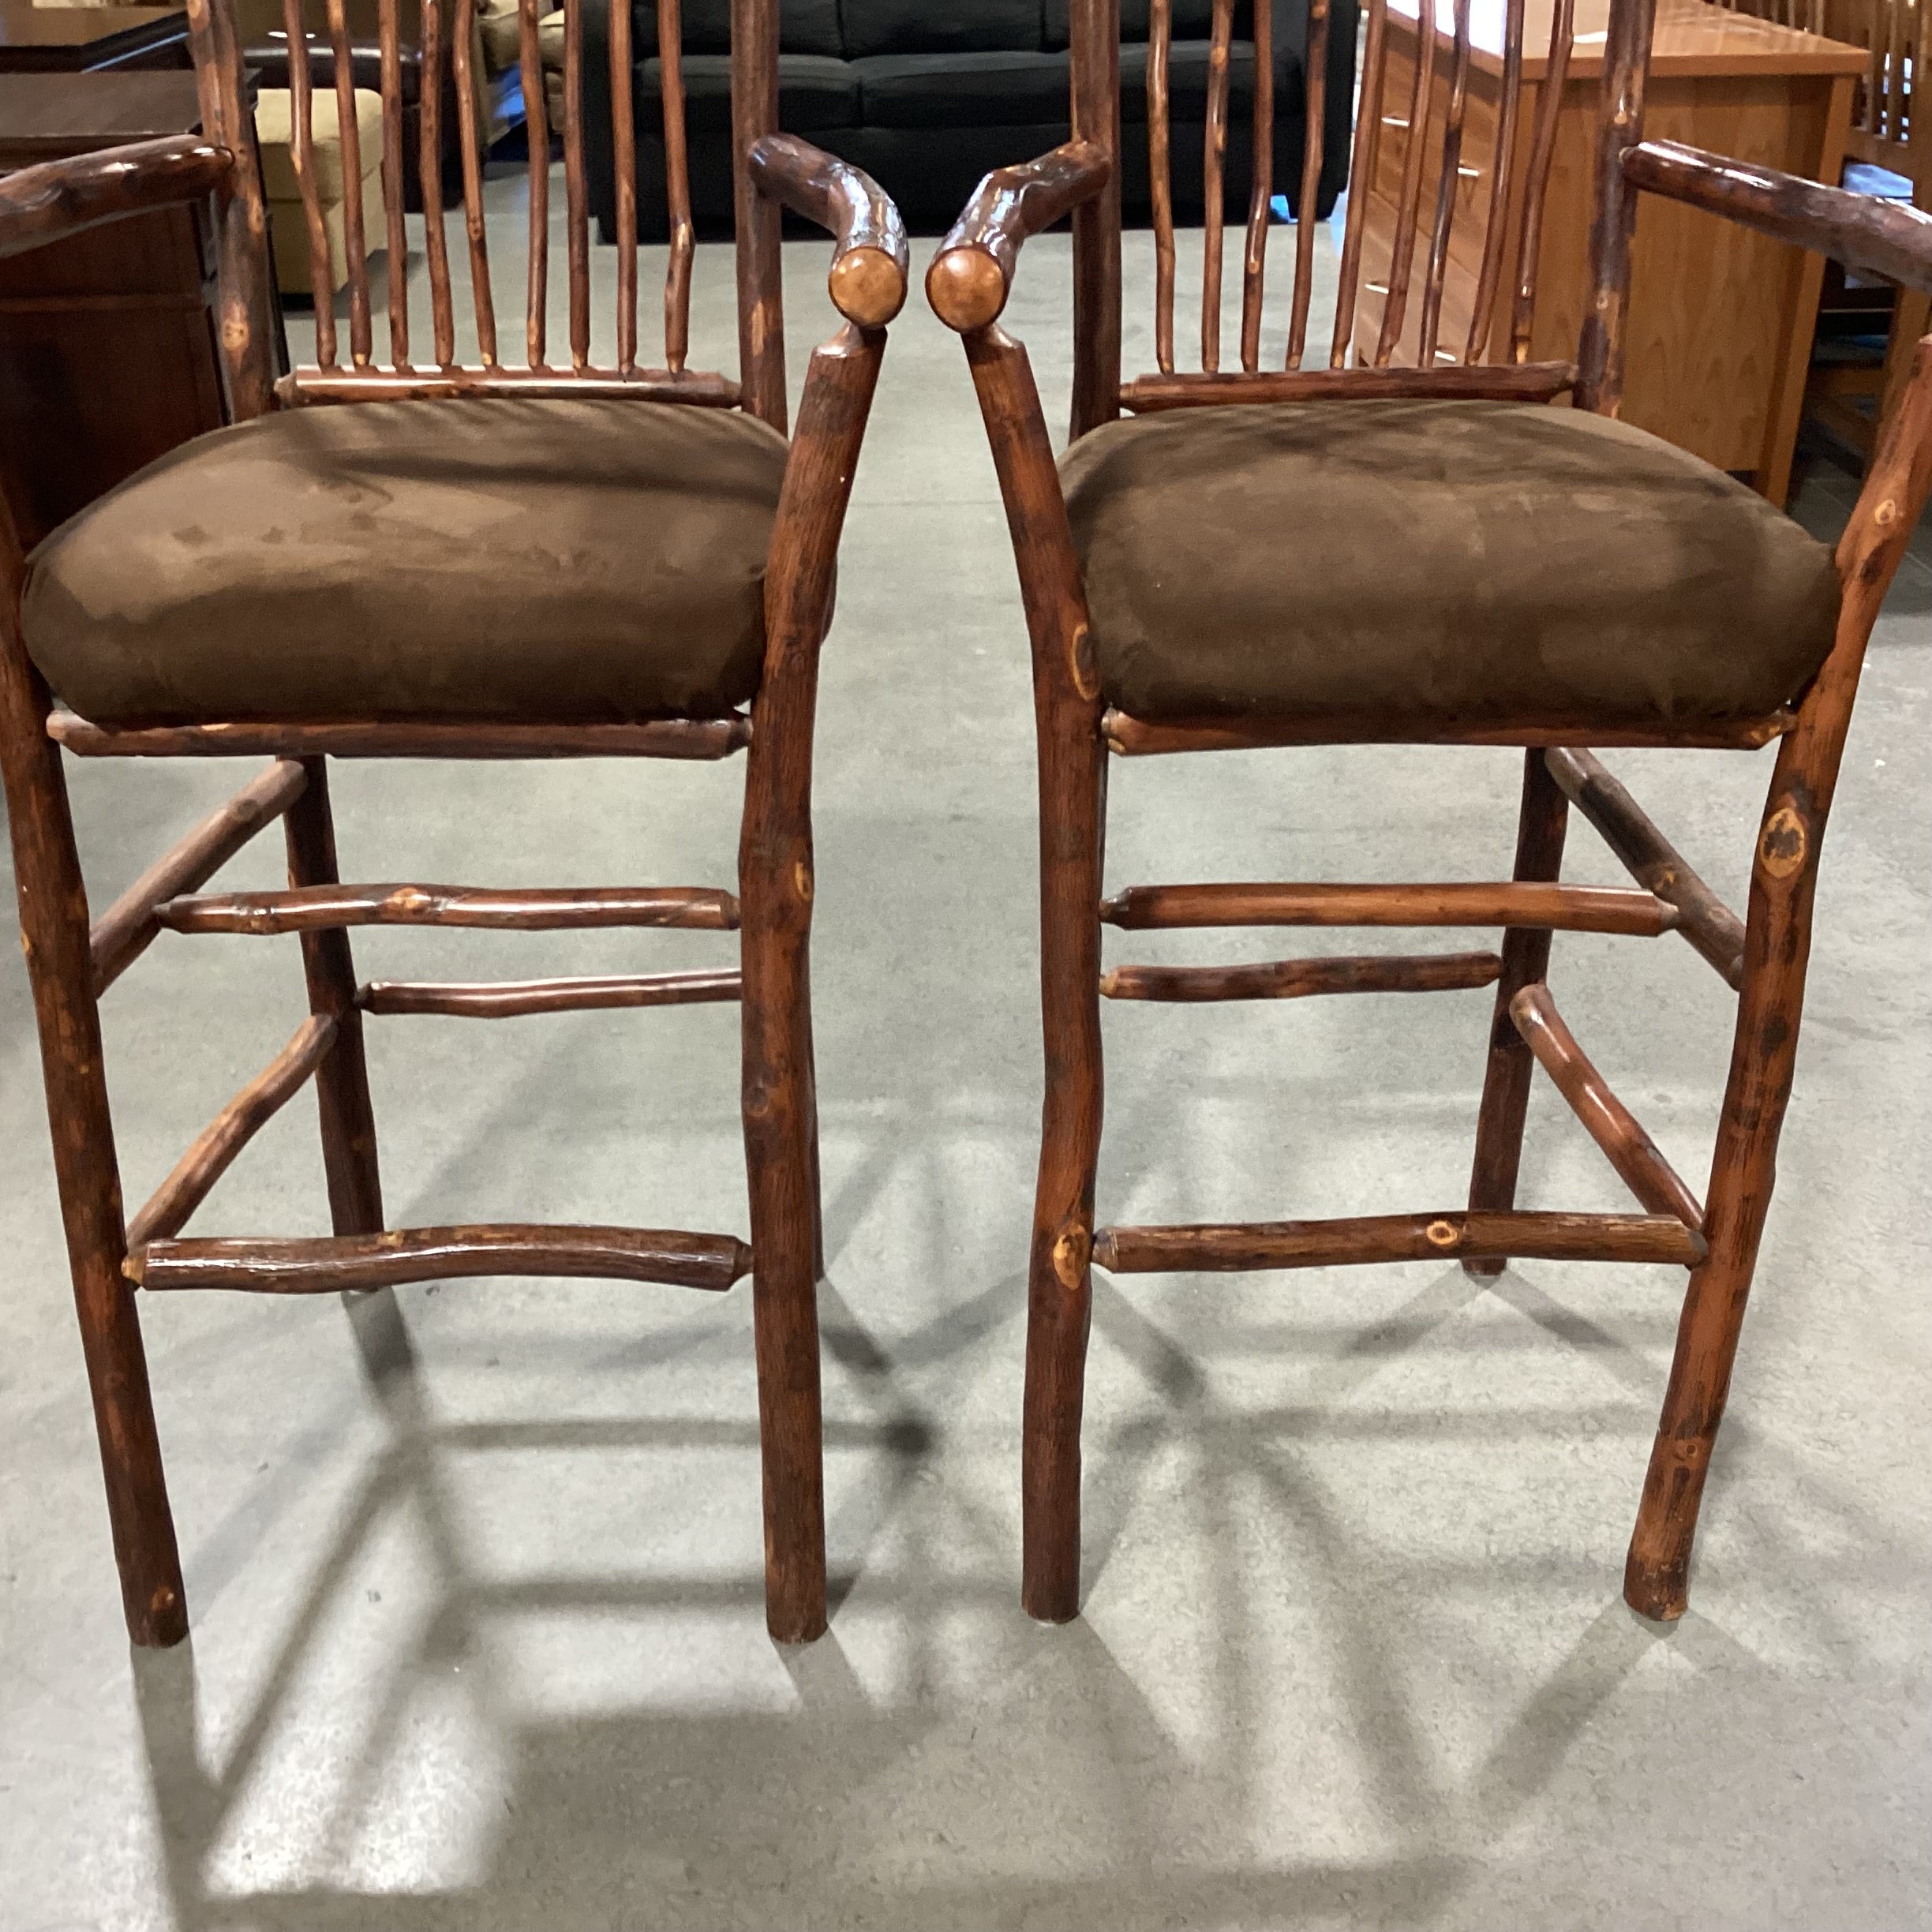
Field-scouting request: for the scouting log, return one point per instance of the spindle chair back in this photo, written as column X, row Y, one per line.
column 1293, row 431
column 793, row 505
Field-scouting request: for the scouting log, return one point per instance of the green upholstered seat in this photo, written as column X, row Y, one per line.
column 1474, row 562
column 582, row 560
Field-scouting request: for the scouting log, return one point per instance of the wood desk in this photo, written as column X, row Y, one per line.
column 1718, row 337
column 107, row 344
column 86, row 39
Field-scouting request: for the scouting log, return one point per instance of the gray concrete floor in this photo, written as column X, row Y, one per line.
column 475, row 1571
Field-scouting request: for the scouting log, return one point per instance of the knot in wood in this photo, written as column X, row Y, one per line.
column 1442, row 1234
column 802, row 880
column 1070, row 1254
column 1785, row 843
column 1084, row 663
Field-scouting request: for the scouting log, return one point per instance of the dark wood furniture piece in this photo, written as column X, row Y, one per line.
column 703, row 544
column 107, row 351
column 1488, row 572
column 84, row 39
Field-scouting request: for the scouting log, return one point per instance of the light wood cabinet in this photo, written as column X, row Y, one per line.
column 1719, row 332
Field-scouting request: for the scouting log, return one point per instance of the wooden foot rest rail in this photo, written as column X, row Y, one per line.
column 322, row 1267
column 1229, row 1247
column 214, row 1152
column 128, row 927
column 1570, row 908
column 1300, row 978
column 511, row 999
column 314, row 908
column 1703, row 919
column 1608, row 1122
column 665, row 738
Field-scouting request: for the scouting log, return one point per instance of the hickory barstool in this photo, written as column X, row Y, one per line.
column 1288, row 555
column 474, row 559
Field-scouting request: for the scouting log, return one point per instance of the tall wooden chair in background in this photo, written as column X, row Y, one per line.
column 1467, row 568
column 1883, row 134
column 490, row 561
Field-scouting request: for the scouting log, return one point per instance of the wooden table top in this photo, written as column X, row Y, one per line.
column 66, row 38
column 46, row 116
column 1691, row 38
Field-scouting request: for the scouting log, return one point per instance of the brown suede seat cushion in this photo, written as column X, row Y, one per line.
column 594, row 560
column 1469, row 561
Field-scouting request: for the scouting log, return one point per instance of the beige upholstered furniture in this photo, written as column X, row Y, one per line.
column 287, row 228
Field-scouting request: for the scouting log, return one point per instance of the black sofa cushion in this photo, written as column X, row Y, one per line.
column 1192, row 20
column 815, row 94
column 878, row 27
column 962, row 90
column 804, row 27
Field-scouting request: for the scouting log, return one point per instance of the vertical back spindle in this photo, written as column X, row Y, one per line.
column 1599, row 349
column 1542, row 146
column 429, row 171
column 463, row 30
column 348, row 137
column 1160, row 180
column 1401, row 256
column 1315, row 115
column 1446, row 189
column 1254, row 257
column 537, row 129
column 576, row 194
column 1362, row 163
column 245, row 333
column 760, row 293
column 301, row 155
column 677, row 183
column 1490, row 275
column 623, row 163
column 1214, row 155
column 389, row 37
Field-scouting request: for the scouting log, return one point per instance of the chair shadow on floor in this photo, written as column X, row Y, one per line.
column 818, row 1815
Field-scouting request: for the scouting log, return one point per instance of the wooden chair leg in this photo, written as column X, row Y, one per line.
column 1743, row 1173
column 1059, row 1278
column 775, row 893
column 53, row 926
column 342, row 1081
column 1539, row 829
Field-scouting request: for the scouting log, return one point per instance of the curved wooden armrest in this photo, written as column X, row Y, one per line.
column 54, row 199
column 1889, row 238
column 971, row 275
column 869, row 258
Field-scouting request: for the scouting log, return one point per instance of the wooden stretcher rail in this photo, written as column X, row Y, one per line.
column 318, row 908
column 1299, row 979
column 1631, row 1150
column 1563, row 909
column 1132, row 737
column 513, row 999
column 215, row 1150
column 1703, row 919
column 128, row 927
column 665, row 738
column 388, row 1261
column 1231, row 1247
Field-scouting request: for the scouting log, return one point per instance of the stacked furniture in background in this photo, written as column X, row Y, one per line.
column 929, row 97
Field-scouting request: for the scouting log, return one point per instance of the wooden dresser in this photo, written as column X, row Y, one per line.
column 1720, row 320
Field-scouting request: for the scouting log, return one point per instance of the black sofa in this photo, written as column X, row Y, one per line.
column 926, row 96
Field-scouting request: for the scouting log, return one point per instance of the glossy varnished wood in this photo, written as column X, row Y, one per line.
column 388, row 1261
column 516, row 999
column 315, row 908
column 1302, row 979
